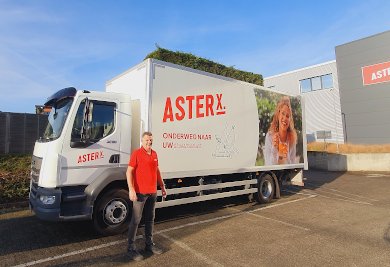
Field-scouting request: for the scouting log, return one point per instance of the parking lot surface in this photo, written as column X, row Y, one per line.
column 336, row 219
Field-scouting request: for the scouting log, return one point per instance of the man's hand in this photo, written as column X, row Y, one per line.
column 163, row 192
column 132, row 195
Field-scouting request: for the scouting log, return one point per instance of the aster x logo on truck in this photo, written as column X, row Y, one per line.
column 192, row 106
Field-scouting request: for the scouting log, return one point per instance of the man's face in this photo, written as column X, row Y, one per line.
column 147, row 142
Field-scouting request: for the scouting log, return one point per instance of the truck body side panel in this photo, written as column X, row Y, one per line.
column 203, row 122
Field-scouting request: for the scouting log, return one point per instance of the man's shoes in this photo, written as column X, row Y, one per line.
column 134, row 255
column 153, row 249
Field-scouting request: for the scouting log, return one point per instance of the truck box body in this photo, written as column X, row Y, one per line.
column 211, row 134
column 202, row 124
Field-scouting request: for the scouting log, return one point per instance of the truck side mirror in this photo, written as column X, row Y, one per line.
column 86, row 129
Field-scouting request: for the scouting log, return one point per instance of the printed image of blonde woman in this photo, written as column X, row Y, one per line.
column 281, row 138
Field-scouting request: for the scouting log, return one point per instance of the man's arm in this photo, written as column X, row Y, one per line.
column 160, row 182
column 130, row 183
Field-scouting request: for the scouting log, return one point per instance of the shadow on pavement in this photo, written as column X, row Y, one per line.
column 30, row 233
column 313, row 179
column 318, row 178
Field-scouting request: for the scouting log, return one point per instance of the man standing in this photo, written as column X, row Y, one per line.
column 143, row 175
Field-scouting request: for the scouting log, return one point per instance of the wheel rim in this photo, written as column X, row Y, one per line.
column 266, row 189
column 115, row 212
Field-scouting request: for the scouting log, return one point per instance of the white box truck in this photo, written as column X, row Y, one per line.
column 210, row 133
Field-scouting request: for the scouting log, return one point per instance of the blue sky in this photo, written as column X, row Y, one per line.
column 46, row 45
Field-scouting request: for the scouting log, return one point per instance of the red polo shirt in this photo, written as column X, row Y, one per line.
column 145, row 171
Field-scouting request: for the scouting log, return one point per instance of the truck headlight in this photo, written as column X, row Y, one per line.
column 47, row 200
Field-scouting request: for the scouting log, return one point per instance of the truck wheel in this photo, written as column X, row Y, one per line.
column 112, row 212
column 265, row 189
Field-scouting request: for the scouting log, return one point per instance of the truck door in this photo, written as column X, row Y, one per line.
column 85, row 157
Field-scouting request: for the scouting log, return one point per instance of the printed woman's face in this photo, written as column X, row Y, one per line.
column 284, row 118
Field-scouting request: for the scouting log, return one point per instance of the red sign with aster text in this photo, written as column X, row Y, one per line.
column 377, row 73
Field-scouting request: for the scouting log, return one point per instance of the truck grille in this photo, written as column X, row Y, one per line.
column 35, row 168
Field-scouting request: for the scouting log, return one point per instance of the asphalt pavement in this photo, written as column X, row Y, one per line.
column 336, row 219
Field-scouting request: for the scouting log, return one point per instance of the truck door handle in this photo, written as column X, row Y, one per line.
column 114, row 158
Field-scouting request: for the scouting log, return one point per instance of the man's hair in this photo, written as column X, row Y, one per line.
column 147, row 133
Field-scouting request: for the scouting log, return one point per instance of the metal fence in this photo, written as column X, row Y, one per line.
column 19, row 131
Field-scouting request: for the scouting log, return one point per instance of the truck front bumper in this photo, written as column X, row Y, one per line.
column 45, row 202
column 60, row 204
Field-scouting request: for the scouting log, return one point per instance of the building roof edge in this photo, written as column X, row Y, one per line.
column 305, row 68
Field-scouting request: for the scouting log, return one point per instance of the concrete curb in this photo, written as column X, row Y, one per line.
column 7, row 207
column 349, row 162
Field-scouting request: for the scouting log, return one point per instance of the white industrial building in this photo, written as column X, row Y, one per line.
column 347, row 99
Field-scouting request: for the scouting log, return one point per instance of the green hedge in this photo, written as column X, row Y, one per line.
column 14, row 178
column 194, row 62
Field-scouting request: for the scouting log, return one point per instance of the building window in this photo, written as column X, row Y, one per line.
column 305, row 85
column 316, row 83
column 327, row 81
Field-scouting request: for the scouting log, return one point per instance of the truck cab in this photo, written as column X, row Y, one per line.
column 80, row 155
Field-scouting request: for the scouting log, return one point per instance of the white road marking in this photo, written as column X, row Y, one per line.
column 279, row 221
column 359, row 196
column 192, row 251
column 338, row 196
column 232, row 215
column 343, row 192
column 283, row 203
column 347, row 200
column 299, row 193
column 77, row 252
column 373, row 175
column 161, row 232
column 344, row 198
column 275, row 220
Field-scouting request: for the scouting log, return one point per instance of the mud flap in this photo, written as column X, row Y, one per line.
column 298, row 179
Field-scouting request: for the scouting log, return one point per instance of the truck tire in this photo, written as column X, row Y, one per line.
column 112, row 212
column 265, row 189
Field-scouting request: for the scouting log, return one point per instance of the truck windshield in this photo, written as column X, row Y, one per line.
column 57, row 118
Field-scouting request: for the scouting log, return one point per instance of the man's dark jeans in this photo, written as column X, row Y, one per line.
column 144, row 202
